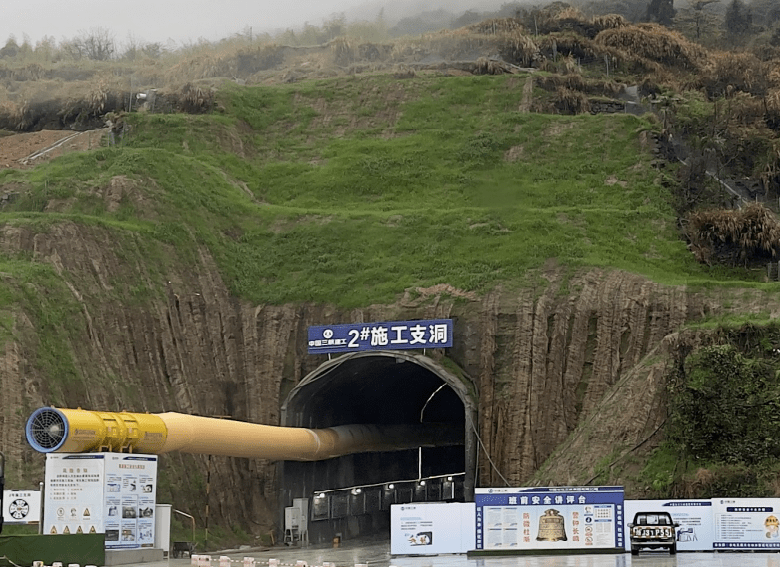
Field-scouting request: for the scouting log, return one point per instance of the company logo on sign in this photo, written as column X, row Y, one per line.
column 19, row 509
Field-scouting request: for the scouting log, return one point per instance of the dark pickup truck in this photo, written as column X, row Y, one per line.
column 653, row 530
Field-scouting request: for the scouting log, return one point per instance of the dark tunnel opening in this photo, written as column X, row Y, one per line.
column 351, row 495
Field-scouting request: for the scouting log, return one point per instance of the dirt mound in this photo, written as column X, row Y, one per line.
column 26, row 150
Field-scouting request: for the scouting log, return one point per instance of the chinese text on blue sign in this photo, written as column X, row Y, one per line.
column 548, row 518
column 394, row 335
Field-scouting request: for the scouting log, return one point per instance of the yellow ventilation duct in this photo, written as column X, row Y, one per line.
column 78, row 431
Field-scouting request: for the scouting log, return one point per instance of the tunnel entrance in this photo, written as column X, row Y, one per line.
column 350, row 496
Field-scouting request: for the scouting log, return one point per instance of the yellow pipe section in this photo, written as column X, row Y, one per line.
column 81, row 431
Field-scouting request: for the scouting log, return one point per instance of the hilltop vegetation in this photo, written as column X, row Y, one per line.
column 724, row 104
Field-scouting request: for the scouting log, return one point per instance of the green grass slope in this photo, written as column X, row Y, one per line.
column 350, row 190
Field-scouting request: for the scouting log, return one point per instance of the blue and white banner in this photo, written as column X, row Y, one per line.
column 585, row 517
column 746, row 524
column 394, row 335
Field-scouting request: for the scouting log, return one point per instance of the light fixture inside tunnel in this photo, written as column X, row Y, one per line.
column 390, row 486
column 422, row 483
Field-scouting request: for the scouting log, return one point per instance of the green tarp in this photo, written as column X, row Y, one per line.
column 84, row 549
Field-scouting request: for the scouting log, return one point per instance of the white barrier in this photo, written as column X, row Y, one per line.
column 225, row 561
column 56, row 564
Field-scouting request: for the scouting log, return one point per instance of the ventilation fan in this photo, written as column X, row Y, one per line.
column 46, row 430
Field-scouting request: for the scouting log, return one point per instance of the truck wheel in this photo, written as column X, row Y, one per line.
column 634, row 550
column 673, row 549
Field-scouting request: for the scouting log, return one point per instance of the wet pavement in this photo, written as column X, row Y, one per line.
column 377, row 554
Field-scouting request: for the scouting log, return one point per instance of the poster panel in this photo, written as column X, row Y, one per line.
column 130, row 500
column 695, row 532
column 549, row 518
column 431, row 528
column 73, row 493
column 111, row 493
column 21, row 506
column 746, row 523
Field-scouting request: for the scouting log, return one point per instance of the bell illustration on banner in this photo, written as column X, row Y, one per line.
column 551, row 527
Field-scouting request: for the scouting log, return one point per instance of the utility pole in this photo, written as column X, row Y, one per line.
column 208, row 491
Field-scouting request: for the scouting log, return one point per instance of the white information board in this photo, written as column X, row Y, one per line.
column 21, row 506
column 746, row 523
column 695, row 532
column 431, row 528
column 129, row 503
column 111, row 493
column 73, row 493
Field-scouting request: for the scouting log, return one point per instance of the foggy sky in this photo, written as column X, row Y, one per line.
column 187, row 21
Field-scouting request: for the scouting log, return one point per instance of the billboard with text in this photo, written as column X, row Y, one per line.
column 515, row 519
column 394, row 335
column 695, row 532
column 746, row 524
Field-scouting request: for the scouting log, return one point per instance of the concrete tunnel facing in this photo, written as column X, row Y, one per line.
column 382, row 387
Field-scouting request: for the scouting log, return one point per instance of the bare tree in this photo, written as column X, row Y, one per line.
column 97, row 44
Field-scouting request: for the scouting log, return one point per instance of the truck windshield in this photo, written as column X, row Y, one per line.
column 653, row 520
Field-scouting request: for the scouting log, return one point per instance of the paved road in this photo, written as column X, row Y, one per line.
column 377, row 554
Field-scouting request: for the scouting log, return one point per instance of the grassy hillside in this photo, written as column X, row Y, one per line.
column 350, row 190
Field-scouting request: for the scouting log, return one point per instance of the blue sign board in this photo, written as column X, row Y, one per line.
column 394, row 335
column 585, row 517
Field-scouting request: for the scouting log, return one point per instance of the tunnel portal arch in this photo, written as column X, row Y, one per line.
column 382, row 387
